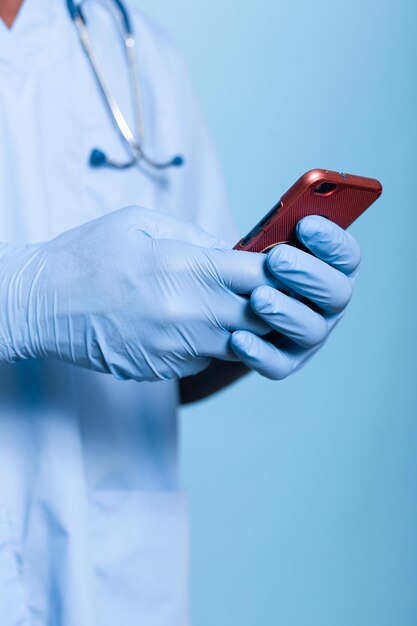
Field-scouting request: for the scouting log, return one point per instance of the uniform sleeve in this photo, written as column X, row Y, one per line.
column 197, row 189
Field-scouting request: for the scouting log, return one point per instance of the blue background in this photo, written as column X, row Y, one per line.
column 304, row 492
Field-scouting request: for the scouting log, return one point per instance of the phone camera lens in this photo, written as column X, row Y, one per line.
column 324, row 188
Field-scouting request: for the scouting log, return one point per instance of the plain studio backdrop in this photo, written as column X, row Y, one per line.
column 304, row 492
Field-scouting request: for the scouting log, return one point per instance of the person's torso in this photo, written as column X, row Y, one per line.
column 92, row 521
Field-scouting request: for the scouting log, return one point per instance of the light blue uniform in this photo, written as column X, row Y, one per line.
column 93, row 524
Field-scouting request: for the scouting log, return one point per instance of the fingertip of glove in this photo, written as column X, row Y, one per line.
column 279, row 257
column 260, row 299
column 240, row 341
column 311, row 226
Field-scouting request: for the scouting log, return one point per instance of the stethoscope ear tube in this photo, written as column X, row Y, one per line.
column 98, row 158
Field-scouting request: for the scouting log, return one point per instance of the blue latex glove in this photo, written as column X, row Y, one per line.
column 325, row 279
column 134, row 293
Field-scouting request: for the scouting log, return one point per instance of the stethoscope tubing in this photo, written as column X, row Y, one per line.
column 134, row 144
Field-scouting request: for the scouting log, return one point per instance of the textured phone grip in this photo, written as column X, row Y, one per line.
column 351, row 196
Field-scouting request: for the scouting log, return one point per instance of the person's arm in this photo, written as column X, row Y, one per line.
column 134, row 293
column 325, row 280
column 143, row 296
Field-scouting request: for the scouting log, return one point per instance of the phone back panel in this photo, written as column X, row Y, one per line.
column 339, row 197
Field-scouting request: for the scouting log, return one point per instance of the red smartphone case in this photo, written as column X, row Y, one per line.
column 339, row 197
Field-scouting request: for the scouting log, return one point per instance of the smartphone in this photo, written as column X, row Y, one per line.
column 339, row 197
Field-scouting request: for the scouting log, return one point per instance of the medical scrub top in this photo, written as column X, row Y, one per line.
column 93, row 522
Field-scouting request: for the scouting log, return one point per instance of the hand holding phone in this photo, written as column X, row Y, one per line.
column 322, row 282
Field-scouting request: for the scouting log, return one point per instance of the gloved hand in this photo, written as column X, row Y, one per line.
column 134, row 293
column 325, row 279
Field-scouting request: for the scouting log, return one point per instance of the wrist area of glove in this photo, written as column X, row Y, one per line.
column 20, row 314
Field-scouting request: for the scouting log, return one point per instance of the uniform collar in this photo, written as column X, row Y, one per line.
column 29, row 34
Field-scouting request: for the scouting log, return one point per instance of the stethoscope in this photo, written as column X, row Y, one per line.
column 133, row 142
